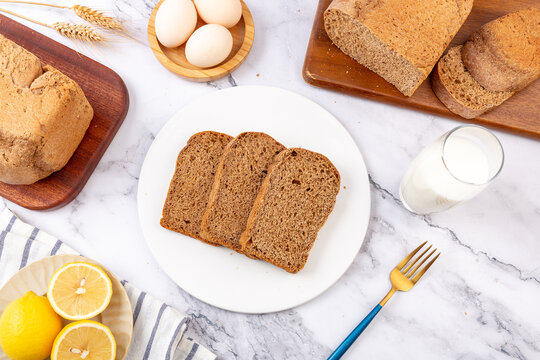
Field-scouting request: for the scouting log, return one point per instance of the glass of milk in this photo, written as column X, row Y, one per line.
column 455, row 168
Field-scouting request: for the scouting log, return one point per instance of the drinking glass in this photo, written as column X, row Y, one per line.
column 455, row 168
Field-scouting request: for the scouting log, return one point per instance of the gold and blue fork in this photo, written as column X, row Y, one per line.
column 403, row 278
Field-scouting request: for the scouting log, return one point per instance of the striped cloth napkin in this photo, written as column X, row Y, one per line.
column 158, row 330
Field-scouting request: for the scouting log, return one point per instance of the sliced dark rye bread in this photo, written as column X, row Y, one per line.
column 239, row 176
column 295, row 200
column 192, row 182
column 459, row 91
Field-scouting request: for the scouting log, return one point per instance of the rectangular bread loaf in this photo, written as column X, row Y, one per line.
column 192, row 182
column 296, row 198
column 240, row 174
column 43, row 119
column 401, row 40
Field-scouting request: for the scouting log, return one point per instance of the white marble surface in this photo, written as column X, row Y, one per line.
column 480, row 300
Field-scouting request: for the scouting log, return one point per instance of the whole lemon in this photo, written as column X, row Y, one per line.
column 28, row 328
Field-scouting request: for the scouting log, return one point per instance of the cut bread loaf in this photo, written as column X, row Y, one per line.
column 192, row 182
column 295, row 200
column 459, row 91
column 44, row 116
column 401, row 40
column 504, row 54
column 240, row 174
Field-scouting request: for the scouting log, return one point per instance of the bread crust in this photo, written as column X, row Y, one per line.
column 44, row 116
column 185, row 232
column 504, row 54
column 259, row 201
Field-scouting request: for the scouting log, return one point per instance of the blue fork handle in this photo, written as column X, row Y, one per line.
column 346, row 344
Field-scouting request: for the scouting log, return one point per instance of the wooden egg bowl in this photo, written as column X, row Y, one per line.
column 175, row 60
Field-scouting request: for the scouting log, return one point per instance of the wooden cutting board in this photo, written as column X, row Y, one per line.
column 107, row 94
column 326, row 66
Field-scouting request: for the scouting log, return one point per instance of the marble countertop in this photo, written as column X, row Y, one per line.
column 480, row 300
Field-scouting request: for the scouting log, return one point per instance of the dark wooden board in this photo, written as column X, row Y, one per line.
column 326, row 66
column 107, row 94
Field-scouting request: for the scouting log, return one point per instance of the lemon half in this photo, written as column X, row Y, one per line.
column 79, row 291
column 84, row 339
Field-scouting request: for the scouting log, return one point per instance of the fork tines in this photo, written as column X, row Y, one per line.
column 410, row 273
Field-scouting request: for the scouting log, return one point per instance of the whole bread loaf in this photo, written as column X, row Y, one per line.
column 44, row 116
column 241, row 171
column 192, row 182
column 296, row 198
column 459, row 91
column 504, row 54
column 401, row 40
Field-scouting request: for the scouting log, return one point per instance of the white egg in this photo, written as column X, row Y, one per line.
column 222, row 12
column 209, row 45
column 175, row 22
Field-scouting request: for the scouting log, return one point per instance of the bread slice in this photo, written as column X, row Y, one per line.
column 401, row 40
column 240, row 174
column 295, row 200
column 504, row 54
column 192, row 182
column 458, row 90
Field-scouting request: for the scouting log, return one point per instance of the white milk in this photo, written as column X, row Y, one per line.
column 428, row 186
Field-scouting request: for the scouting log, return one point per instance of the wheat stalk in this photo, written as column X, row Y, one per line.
column 93, row 16
column 72, row 31
column 77, row 32
column 97, row 18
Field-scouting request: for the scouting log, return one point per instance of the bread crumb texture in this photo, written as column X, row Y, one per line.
column 43, row 119
column 295, row 200
column 401, row 40
column 238, row 180
column 192, row 182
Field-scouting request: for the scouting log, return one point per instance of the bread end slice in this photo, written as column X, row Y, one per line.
column 192, row 182
column 459, row 91
column 504, row 54
column 296, row 198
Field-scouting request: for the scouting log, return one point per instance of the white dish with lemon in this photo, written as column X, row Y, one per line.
column 109, row 295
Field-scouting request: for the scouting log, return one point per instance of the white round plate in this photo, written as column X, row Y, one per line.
column 218, row 275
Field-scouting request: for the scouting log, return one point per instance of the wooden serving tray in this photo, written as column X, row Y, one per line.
column 107, row 94
column 326, row 66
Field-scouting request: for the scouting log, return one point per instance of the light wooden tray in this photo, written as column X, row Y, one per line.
column 326, row 66
column 175, row 60
column 35, row 277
